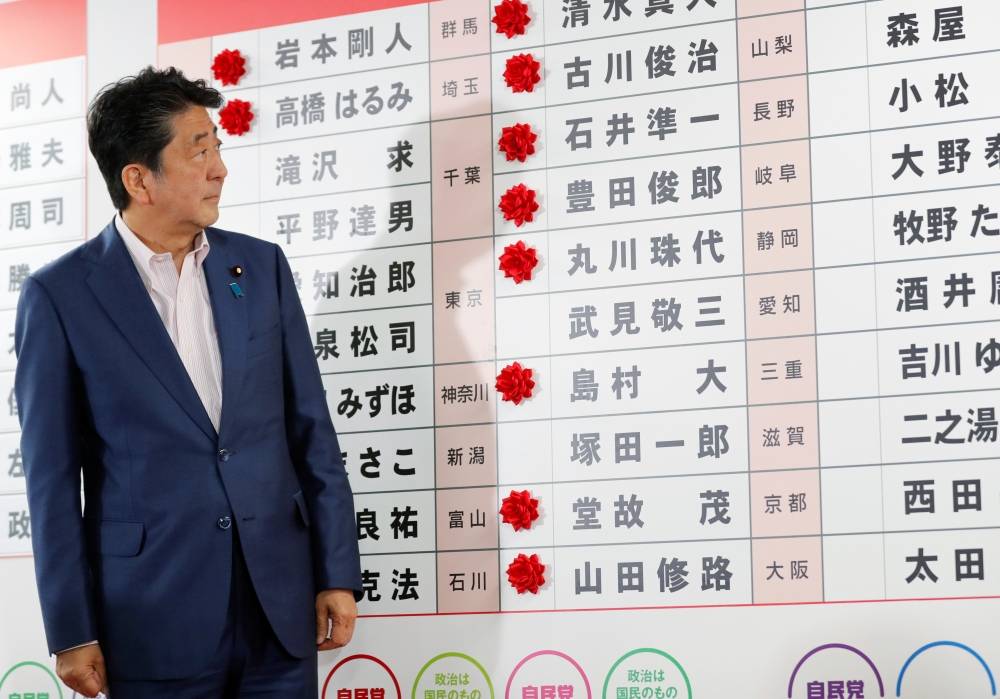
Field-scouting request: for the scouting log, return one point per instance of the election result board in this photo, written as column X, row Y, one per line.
column 660, row 336
column 712, row 288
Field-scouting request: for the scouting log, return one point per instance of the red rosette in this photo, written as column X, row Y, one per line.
column 522, row 72
column 229, row 66
column 517, row 261
column 235, row 117
column 518, row 204
column 517, row 142
column 519, row 509
column 514, row 383
column 511, row 17
column 526, row 573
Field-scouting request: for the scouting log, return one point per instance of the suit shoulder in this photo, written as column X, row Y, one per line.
column 64, row 268
column 251, row 250
column 250, row 243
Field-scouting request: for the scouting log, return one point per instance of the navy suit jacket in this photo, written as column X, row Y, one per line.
column 145, row 565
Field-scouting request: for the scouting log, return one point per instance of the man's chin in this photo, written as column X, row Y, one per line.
column 210, row 212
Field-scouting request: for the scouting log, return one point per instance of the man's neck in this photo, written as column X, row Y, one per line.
column 158, row 240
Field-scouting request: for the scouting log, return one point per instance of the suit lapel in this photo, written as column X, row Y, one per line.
column 230, row 314
column 120, row 290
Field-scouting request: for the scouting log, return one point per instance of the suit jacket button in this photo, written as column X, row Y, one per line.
column 224, row 454
column 225, row 522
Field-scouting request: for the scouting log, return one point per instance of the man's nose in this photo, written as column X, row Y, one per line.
column 219, row 171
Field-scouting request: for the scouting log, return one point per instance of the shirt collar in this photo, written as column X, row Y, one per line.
column 144, row 257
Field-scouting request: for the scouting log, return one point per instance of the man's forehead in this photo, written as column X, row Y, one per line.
column 204, row 134
column 193, row 125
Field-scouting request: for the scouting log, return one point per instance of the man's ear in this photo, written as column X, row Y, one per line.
column 135, row 178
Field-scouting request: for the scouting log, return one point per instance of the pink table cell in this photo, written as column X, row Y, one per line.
column 783, row 436
column 460, row 87
column 467, row 518
column 193, row 57
column 787, row 570
column 772, row 45
column 777, row 239
column 468, row 581
column 763, row 7
column 780, row 371
column 776, row 173
column 465, row 455
column 465, row 393
column 463, row 301
column 780, row 304
column 462, row 180
column 459, row 27
column 772, row 110
column 785, row 503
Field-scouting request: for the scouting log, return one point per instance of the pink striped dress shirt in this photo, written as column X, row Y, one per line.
column 185, row 307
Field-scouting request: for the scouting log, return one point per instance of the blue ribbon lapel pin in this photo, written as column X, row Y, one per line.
column 236, row 271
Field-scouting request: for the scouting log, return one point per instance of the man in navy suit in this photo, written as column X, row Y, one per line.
column 170, row 364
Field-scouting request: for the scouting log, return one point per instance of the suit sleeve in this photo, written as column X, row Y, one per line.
column 51, row 410
column 315, row 449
